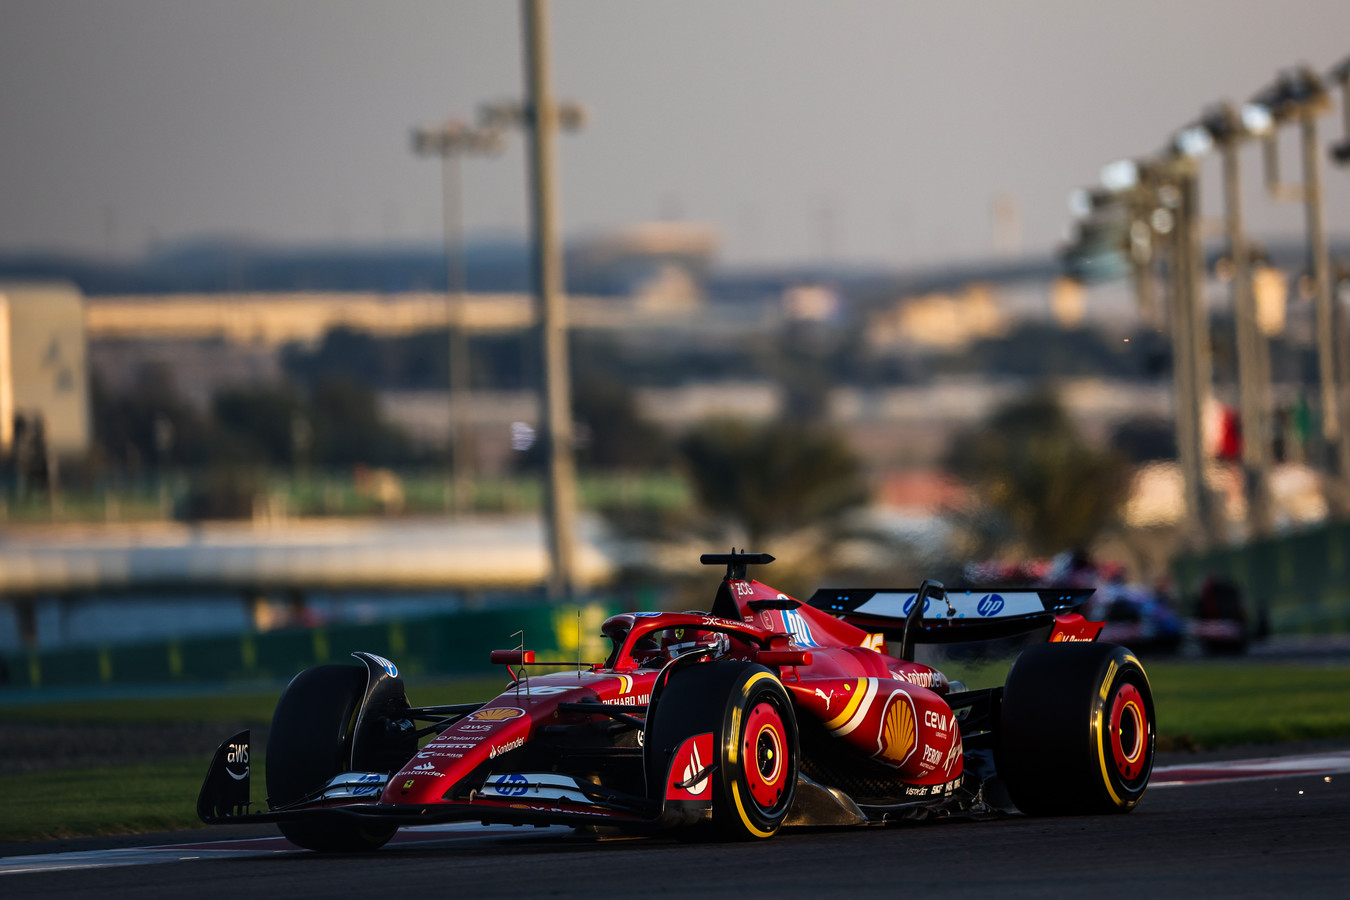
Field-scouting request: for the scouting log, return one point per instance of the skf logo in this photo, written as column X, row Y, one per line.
column 497, row 714
column 897, row 733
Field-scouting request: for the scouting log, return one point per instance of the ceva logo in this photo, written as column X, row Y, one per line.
column 990, row 605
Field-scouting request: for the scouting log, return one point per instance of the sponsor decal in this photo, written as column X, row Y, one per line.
column 370, row 778
column 238, row 753
column 366, row 791
column 695, row 766
column 547, row 690
column 909, row 604
column 875, row 642
column 425, row 767
column 513, row 785
column 456, row 745
column 409, row 783
column 767, row 620
column 690, row 759
column 855, row 710
column 647, row 615
column 953, row 754
column 390, row 669
column 932, row 790
column 934, row 719
column 931, row 755
column 990, row 605
column 897, row 740
column 799, row 628
column 496, row 714
column 1106, row 682
column 1067, row 638
column 625, row 681
column 921, row 679
column 469, row 726
column 826, row 697
column 743, row 589
column 433, row 751
column 505, row 748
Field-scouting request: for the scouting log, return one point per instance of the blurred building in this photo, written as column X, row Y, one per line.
column 44, row 384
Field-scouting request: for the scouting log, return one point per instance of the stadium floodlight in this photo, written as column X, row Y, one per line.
column 1121, row 175
column 1193, row 141
column 1340, row 152
column 1080, row 203
column 1256, row 119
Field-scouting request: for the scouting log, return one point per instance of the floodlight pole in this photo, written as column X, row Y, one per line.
column 542, row 122
column 450, row 142
column 1329, row 324
column 1253, row 354
column 1190, row 348
column 1299, row 94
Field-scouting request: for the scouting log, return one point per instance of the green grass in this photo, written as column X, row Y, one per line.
column 251, row 707
column 117, row 800
column 1231, row 703
column 1202, row 704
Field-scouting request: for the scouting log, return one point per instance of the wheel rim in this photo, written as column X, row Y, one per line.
column 1129, row 732
column 765, row 754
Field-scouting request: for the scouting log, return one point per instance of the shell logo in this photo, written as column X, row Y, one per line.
column 897, row 732
column 496, row 714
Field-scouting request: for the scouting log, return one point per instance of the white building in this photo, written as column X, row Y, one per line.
column 43, row 372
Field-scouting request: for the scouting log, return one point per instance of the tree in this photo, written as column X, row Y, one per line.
column 773, row 479
column 1029, row 463
column 152, row 425
column 260, row 423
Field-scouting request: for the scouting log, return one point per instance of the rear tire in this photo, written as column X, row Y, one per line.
column 754, row 728
column 1076, row 730
column 308, row 744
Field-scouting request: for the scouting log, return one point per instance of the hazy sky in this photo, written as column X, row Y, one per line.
column 855, row 130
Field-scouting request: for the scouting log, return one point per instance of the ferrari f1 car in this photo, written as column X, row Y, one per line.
column 760, row 714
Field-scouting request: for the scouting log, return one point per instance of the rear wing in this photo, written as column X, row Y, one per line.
column 949, row 617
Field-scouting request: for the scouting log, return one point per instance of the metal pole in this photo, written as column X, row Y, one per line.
column 461, row 432
column 1184, row 387
column 1191, row 359
column 1320, row 266
column 548, row 272
column 1253, row 387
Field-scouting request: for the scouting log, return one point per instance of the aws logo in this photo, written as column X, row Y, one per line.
column 238, row 753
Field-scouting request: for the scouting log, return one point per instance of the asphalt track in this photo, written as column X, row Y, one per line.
column 1262, row 836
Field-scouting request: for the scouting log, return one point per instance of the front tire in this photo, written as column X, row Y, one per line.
column 310, row 741
column 755, row 741
column 1076, row 730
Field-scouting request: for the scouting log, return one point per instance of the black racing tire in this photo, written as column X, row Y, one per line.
column 1076, row 730
column 755, row 741
column 309, row 743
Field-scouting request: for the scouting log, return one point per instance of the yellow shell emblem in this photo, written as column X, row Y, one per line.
column 496, row 714
column 897, row 734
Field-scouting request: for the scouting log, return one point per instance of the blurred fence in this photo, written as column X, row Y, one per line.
column 441, row 645
column 1297, row 584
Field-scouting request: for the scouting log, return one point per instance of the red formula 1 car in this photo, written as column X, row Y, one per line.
column 763, row 713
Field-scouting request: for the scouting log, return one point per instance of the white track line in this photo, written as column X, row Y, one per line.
column 1251, row 769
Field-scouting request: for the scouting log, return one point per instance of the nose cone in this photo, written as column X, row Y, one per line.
column 457, row 751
